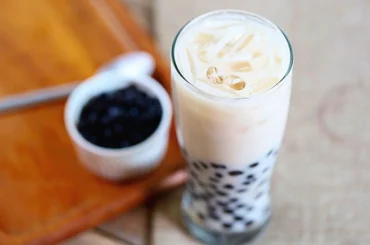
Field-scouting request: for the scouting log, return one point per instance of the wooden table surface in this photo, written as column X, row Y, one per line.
column 322, row 179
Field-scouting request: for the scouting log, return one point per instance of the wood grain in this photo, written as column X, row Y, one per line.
column 46, row 194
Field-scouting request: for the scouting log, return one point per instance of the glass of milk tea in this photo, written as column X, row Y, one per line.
column 231, row 83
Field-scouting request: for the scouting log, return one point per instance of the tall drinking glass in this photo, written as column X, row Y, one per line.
column 231, row 83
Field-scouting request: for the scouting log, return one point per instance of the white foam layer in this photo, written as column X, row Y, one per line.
column 255, row 52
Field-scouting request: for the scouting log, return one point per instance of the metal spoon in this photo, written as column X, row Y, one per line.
column 134, row 63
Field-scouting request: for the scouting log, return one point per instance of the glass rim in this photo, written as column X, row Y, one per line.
column 245, row 13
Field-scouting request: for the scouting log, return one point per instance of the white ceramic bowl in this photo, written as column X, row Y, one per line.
column 118, row 164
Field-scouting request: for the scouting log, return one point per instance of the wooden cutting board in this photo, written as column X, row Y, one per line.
column 46, row 195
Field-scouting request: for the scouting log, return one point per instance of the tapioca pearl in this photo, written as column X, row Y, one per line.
column 250, row 179
column 227, row 226
column 195, row 196
column 250, row 176
column 218, row 166
column 211, row 208
column 227, row 210
column 193, row 174
column 242, row 190
column 259, row 195
column 241, row 205
column 253, row 165
column 238, row 218
column 209, row 196
column 270, row 153
column 203, row 164
column 249, row 223
column 221, row 193
column 197, row 166
column 250, row 208
column 214, row 180
column 213, row 186
column 221, row 203
column 201, row 216
column 235, row 173
column 201, row 184
column 214, row 216
column 233, row 200
column 265, row 170
column 218, row 175
column 228, row 186
column 247, row 182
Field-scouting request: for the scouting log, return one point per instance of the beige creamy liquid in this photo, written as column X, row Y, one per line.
column 231, row 131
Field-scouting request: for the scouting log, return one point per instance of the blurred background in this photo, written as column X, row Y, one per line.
column 322, row 180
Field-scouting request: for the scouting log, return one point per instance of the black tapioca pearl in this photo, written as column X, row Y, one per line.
column 259, row 194
column 240, row 206
column 214, row 216
column 196, row 166
column 221, row 203
column 228, row 186
column 213, row 186
column 213, row 179
column 242, row 190
column 270, row 152
column 247, row 182
column 253, row 165
column 228, row 211
column 193, row 174
column 250, row 176
column 250, row 208
column 201, row 216
column 221, row 193
column 265, row 170
column 218, row 175
column 195, row 196
column 227, row 225
column 238, row 218
column 204, row 166
column 248, row 223
column 208, row 196
column 235, row 173
column 218, row 166
column 211, row 208
column 232, row 200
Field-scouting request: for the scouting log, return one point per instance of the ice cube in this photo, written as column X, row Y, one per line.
column 212, row 75
column 235, row 82
column 240, row 66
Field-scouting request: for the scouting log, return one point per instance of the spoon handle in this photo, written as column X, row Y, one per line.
column 39, row 96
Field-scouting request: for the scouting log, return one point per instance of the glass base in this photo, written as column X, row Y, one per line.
column 216, row 238
column 212, row 237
